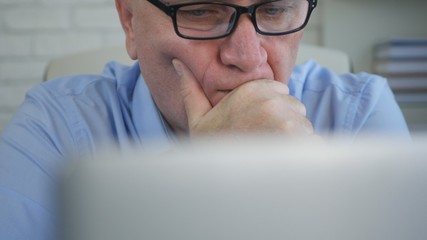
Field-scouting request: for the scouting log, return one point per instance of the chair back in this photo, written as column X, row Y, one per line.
column 93, row 61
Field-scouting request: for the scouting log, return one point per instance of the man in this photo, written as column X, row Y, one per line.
column 204, row 68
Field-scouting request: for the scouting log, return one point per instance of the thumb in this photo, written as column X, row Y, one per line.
column 195, row 101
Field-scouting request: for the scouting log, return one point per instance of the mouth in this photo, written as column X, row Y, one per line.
column 218, row 96
column 225, row 91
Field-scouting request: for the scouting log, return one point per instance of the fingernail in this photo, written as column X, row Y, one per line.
column 177, row 66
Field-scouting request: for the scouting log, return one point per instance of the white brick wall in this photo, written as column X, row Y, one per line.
column 32, row 18
column 34, row 31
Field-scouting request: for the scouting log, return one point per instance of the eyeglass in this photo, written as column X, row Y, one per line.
column 213, row 20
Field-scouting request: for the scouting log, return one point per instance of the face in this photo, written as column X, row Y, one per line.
column 219, row 65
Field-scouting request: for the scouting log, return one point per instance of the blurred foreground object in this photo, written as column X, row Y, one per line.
column 258, row 189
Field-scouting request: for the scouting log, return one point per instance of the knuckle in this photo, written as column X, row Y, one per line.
column 298, row 126
column 250, row 87
column 273, row 105
column 297, row 106
column 307, row 126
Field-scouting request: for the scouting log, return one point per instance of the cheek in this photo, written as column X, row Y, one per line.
column 165, row 90
column 282, row 55
column 155, row 53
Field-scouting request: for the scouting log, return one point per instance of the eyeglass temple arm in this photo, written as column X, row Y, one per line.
column 162, row 6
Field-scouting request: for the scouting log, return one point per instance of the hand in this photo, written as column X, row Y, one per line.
column 256, row 106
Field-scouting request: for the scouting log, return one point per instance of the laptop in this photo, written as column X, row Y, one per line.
column 253, row 189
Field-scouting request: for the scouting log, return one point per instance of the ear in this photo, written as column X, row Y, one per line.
column 124, row 10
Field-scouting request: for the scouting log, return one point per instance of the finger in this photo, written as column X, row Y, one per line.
column 296, row 105
column 279, row 87
column 308, row 127
column 260, row 85
column 195, row 101
column 300, row 108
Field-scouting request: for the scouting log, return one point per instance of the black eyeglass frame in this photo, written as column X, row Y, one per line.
column 172, row 9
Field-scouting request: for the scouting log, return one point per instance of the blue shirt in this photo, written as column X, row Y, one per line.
column 83, row 114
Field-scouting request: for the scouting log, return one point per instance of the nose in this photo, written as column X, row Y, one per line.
column 242, row 48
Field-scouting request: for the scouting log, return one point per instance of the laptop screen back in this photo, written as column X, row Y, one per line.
column 253, row 190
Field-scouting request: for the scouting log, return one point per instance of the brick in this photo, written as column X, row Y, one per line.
column 15, row 71
column 60, row 44
column 105, row 18
column 14, row 2
column 48, row 2
column 15, row 45
column 36, row 18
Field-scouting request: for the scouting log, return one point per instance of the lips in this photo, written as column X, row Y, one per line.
column 217, row 96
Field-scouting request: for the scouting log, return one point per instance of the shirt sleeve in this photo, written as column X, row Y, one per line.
column 385, row 117
column 349, row 105
column 59, row 120
column 31, row 149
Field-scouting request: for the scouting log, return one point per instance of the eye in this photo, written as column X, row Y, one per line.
column 197, row 12
column 273, row 10
column 279, row 8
